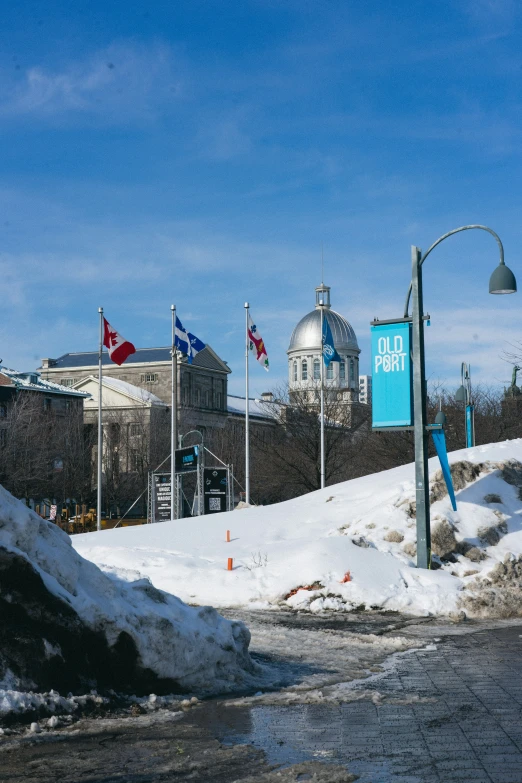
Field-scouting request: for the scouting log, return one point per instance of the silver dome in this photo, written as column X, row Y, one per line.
column 307, row 333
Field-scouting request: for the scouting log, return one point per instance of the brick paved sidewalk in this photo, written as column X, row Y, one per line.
column 460, row 720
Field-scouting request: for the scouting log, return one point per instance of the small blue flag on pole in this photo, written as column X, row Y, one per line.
column 329, row 352
column 186, row 342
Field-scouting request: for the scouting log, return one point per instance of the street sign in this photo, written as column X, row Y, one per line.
column 161, row 497
column 214, row 490
column 187, row 459
column 392, row 394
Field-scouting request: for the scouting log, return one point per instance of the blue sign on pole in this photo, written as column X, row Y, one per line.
column 469, row 425
column 392, row 395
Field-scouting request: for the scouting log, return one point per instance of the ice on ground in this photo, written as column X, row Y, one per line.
column 364, row 528
column 191, row 649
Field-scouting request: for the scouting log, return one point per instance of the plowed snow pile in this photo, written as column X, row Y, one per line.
column 365, row 527
column 67, row 625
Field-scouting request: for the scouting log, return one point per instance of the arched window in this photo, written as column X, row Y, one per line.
column 304, row 370
column 317, row 370
column 329, row 372
column 342, row 370
column 295, row 371
column 352, row 372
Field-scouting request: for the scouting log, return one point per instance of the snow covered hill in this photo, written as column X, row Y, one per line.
column 353, row 544
column 67, row 625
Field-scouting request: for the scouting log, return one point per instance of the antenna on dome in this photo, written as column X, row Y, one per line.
column 322, row 264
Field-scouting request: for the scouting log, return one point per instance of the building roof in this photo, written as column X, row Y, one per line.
column 207, row 358
column 33, row 382
column 259, row 409
column 128, row 389
column 307, row 333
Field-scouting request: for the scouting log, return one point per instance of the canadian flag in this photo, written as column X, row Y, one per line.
column 119, row 348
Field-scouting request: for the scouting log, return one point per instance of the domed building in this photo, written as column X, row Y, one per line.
column 305, row 355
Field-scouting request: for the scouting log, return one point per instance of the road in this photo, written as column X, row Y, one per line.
column 387, row 698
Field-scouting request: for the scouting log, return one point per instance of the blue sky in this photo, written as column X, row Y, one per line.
column 201, row 153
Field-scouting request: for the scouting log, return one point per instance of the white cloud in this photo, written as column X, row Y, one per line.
column 123, row 82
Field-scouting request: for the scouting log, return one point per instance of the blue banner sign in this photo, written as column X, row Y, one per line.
column 392, row 396
column 469, row 425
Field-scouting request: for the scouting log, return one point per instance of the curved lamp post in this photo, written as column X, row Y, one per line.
column 463, row 394
column 502, row 281
column 440, row 418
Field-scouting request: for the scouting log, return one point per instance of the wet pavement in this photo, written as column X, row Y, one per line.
column 451, row 711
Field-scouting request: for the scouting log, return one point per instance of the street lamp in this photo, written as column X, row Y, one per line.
column 502, row 281
column 463, row 394
column 440, row 418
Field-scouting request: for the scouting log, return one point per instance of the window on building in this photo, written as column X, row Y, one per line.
column 317, row 370
column 3, row 438
column 149, row 377
column 207, row 398
column 346, row 395
column 342, row 370
column 114, row 433
column 352, row 371
column 134, row 428
column 197, row 396
column 304, row 370
column 295, row 371
column 219, row 400
column 3, row 410
column 66, row 381
column 134, row 460
column 329, row 372
column 48, row 403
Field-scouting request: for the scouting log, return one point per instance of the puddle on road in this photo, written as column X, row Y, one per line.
column 344, row 734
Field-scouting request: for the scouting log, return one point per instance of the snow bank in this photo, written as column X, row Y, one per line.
column 365, row 527
column 64, row 620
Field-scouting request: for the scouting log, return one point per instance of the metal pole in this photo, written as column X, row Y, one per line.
column 100, row 430
column 422, row 484
column 174, row 418
column 322, row 403
column 247, row 417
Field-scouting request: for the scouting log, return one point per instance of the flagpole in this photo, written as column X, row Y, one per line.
column 322, row 400
column 174, row 419
column 100, row 430
column 247, row 417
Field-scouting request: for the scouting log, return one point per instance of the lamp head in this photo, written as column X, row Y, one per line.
column 502, row 281
column 461, row 394
column 440, row 418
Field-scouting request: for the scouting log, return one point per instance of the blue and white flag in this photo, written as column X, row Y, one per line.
column 329, row 352
column 186, row 342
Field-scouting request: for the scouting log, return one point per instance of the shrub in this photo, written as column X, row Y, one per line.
column 394, row 537
column 492, row 498
column 443, row 541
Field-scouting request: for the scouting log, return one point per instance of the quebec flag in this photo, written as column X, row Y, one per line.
column 329, row 352
column 186, row 342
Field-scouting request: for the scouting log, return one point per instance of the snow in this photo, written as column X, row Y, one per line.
column 309, row 540
column 133, row 391
column 259, row 408
column 194, row 646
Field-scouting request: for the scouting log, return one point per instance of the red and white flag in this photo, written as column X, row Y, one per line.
column 119, row 349
column 256, row 344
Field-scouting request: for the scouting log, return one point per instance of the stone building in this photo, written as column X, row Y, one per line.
column 135, row 422
column 202, row 385
column 305, row 355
